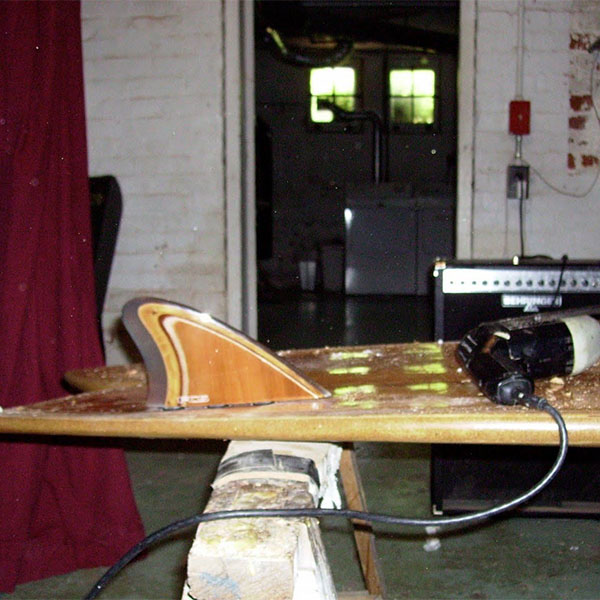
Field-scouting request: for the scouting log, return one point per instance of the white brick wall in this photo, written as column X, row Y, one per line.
column 154, row 96
column 555, row 224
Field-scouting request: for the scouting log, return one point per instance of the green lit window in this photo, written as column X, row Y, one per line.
column 336, row 84
column 412, row 96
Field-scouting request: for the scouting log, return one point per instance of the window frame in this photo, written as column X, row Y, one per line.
column 338, row 126
column 398, row 61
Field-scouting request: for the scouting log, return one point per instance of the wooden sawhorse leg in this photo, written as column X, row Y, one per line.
column 363, row 531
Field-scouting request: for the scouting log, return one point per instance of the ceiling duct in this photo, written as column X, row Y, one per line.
column 307, row 26
column 309, row 57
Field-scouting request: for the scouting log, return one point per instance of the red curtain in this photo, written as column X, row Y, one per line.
column 62, row 507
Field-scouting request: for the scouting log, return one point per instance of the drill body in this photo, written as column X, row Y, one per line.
column 506, row 356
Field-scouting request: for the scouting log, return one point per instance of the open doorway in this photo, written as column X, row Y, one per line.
column 355, row 152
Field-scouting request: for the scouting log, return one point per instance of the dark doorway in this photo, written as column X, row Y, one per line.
column 367, row 198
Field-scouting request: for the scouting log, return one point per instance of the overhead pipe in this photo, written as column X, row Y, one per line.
column 519, row 71
column 299, row 58
column 362, row 115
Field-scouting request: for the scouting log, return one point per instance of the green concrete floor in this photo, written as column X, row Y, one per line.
column 521, row 558
column 513, row 558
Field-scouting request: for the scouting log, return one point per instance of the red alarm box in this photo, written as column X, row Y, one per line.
column 519, row 117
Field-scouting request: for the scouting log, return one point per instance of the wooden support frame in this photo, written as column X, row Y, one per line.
column 363, row 531
column 262, row 559
column 266, row 558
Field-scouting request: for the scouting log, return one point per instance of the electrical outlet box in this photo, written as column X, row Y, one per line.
column 517, row 185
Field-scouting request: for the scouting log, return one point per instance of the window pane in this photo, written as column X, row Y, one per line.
column 423, row 82
column 345, row 102
column 401, row 82
column 320, row 115
column 337, row 84
column 343, row 81
column 423, row 111
column 321, row 81
column 412, row 96
column 401, row 110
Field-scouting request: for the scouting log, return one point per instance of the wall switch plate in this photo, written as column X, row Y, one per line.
column 517, row 182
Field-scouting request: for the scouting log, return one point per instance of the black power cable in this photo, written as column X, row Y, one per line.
column 563, row 266
column 529, row 401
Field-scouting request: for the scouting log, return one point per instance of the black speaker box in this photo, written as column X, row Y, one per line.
column 473, row 477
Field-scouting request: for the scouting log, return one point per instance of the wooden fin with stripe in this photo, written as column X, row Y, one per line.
column 195, row 360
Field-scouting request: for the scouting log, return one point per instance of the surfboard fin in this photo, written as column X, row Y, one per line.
column 195, row 360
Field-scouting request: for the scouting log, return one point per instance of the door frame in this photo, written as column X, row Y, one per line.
column 239, row 159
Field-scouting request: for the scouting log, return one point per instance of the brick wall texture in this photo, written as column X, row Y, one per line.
column 563, row 147
column 154, row 97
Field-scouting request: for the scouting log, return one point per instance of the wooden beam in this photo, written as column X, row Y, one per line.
column 260, row 558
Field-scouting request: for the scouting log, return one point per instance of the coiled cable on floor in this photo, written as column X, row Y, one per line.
column 531, row 401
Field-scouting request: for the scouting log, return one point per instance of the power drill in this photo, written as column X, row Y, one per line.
column 506, row 356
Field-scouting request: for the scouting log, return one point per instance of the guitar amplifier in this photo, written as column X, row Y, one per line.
column 474, row 477
column 467, row 293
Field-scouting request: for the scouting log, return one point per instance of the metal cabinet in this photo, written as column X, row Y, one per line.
column 393, row 238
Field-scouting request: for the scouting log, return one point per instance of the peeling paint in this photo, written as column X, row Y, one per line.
column 588, row 160
column 579, row 41
column 584, row 31
column 577, row 122
column 581, row 102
